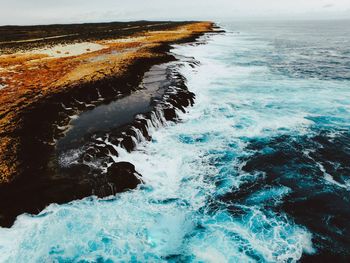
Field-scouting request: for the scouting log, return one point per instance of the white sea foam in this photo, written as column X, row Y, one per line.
column 70, row 157
column 170, row 216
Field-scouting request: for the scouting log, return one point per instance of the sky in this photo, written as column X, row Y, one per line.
column 76, row 11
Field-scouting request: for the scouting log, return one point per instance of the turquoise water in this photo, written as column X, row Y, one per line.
column 256, row 171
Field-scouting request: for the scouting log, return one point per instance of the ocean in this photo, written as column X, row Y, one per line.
column 257, row 170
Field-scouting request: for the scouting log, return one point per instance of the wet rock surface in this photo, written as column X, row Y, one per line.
column 31, row 196
column 122, row 176
column 67, row 157
column 40, row 86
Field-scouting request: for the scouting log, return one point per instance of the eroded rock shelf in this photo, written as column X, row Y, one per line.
column 46, row 87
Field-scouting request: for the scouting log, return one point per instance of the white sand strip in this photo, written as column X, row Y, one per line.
column 59, row 51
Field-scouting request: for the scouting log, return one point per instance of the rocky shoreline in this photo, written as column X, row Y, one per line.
column 39, row 179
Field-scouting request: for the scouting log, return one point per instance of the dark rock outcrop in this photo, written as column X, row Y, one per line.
column 122, row 176
column 31, row 196
column 41, row 181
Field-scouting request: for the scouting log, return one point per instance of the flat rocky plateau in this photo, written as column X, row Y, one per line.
column 51, row 74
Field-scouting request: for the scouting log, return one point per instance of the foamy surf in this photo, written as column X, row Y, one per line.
column 206, row 197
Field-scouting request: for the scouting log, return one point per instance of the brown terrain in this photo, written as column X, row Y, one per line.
column 49, row 74
column 31, row 75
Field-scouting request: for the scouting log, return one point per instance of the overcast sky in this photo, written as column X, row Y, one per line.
column 68, row 11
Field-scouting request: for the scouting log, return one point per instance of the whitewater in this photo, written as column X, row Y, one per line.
column 200, row 201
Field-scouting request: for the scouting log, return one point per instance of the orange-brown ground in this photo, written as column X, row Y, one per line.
column 30, row 76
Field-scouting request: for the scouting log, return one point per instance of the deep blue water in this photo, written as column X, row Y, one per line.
column 257, row 171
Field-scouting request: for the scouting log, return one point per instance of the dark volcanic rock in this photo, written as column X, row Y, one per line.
column 31, row 196
column 123, row 176
column 43, row 181
column 127, row 143
column 169, row 114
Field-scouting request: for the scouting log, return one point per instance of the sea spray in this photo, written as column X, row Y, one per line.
column 220, row 185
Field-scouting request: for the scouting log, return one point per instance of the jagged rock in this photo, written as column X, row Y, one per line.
column 142, row 126
column 102, row 151
column 87, row 158
column 111, row 149
column 127, row 143
column 123, row 176
column 169, row 114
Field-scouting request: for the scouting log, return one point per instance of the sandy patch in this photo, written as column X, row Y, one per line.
column 60, row 51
